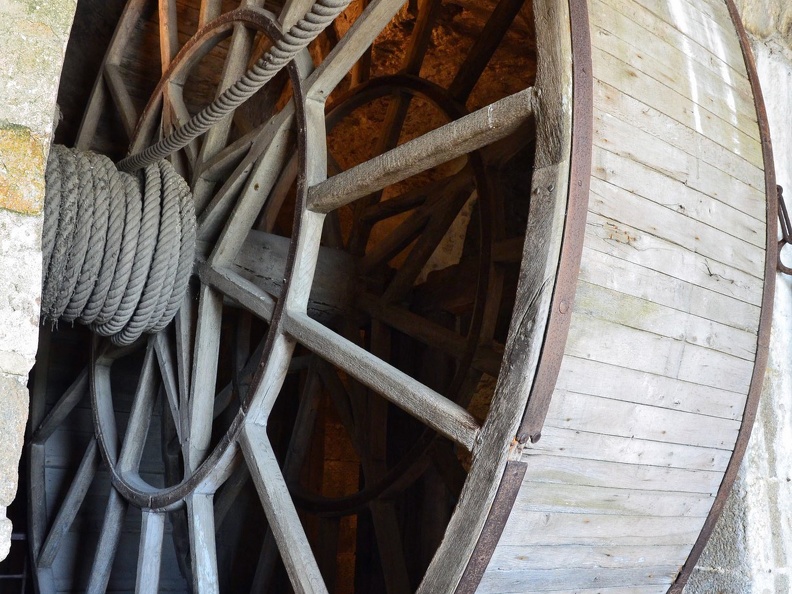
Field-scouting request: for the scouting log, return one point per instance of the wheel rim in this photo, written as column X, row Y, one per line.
column 289, row 324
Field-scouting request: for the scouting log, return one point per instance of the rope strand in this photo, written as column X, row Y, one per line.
column 283, row 51
column 117, row 248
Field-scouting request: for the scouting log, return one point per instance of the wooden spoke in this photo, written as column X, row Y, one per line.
column 413, row 226
column 108, row 542
column 421, row 36
column 120, row 94
column 140, row 415
column 293, row 11
column 233, row 285
column 224, row 162
column 279, row 509
column 441, row 145
column 278, row 195
column 258, row 185
column 233, row 69
column 423, row 249
column 226, row 498
column 430, row 333
column 423, row 403
column 373, row 462
column 480, row 54
column 71, row 504
column 340, row 398
column 204, row 366
column 71, row 397
column 350, row 48
column 203, row 549
column 410, row 199
column 170, row 381
column 126, row 26
column 262, row 162
column 168, row 32
column 299, row 443
column 183, row 328
column 150, row 553
column 176, row 114
column 210, row 9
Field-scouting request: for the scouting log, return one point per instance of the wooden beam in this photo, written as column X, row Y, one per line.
column 71, row 397
column 441, row 145
column 70, row 506
column 483, row 48
column 121, row 98
column 108, row 542
column 279, row 509
column 350, row 48
column 203, row 549
column 152, row 530
column 438, row 412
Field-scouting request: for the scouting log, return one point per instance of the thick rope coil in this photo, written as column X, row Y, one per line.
column 117, row 248
column 283, row 51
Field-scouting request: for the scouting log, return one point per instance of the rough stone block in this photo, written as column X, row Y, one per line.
column 21, row 169
column 13, row 416
column 20, row 291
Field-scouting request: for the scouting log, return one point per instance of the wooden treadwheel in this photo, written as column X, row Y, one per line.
column 306, row 325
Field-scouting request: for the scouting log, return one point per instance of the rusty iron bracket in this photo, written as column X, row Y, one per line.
column 786, row 230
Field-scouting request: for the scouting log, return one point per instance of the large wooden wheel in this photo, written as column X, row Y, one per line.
column 432, row 342
column 279, row 331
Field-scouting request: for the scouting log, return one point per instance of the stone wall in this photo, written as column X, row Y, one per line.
column 751, row 548
column 33, row 35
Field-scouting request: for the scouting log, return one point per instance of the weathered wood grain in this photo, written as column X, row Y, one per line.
column 642, row 314
column 643, row 351
column 586, row 376
column 658, row 125
column 441, row 145
column 628, row 243
column 657, row 57
column 585, row 445
column 281, row 515
column 150, row 552
column 582, row 499
column 420, row 401
column 628, row 278
column 70, row 506
column 712, row 31
column 597, row 473
column 596, row 414
column 539, row 528
column 550, row 580
column 509, row 558
column 643, row 165
column 628, row 80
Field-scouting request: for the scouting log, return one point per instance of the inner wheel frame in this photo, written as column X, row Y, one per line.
column 289, row 322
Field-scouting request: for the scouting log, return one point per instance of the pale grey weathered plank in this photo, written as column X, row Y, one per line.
column 441, row 145
column 423, row 403
column 279, row 509
column 150, row 552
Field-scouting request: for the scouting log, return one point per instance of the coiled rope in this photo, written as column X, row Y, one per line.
column 283, row 51
column 117, row 248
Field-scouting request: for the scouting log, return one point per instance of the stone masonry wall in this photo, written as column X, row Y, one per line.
column 33, row 35
column 751, row 548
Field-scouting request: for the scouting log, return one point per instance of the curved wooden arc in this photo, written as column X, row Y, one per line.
column 660, row 374
column 760, row 364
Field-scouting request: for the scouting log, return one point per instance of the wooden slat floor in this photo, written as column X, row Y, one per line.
column 663, row 339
